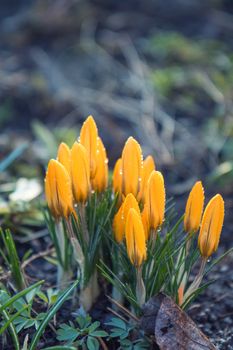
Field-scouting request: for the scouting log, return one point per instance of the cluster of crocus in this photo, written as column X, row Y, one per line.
column 209, row 225
column 70, row 181
column 79, row 172
column 76, row 172
column 139, row 186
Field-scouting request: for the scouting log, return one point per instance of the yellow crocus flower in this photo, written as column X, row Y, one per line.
column 80, row 173
column 194, row 208
column 118, row 225
column 148, row 167
column 117, row 177
column 119, row 220
column 135, row 238
column 100, row 181
column 89, row 139
column 132, row 165
column 155, row 200
column 211, row 226
column 58, row 190
column 63, row 155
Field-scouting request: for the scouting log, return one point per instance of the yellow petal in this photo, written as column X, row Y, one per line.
column 58, row 190
column 194, row 208
column 145, row 222
column 80, row 173
column 100, row 181
column 135, row 238
column 63, row 155
column 132, row 165
column 148, row 167
column 211, row 226
column 119, row 225
column 89, row 139
column 117, row 177
column 155, row 199
column 129, row 203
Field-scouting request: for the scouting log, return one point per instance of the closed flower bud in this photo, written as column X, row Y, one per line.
column 118, row 225
column 148, row 167
column 155, row 200
column 135, row 238
column 145, row 222
column 211, row 226
column 80, row 173
column 58, row 190
column 194, row 208
column 89, row 139
column 119, row 220
column 132, row 165
column 100, row 181
column 117, row 177
column 63, row 156
column 129, row 203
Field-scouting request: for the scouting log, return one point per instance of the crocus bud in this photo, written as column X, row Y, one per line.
column 148, row 167
column 119, row 220
column 132, row 166
column 145, row 222
column 118, row 225
column 194, row 208
column 63, row 156
column 117, row 177
column 58, row 190
column 155, row 200
column 211, row 226
column 89, row 139
column 135, row 238
column 129, row 203
column 80, row 173
column 100, row 181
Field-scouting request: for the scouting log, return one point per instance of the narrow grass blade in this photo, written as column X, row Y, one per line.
column 50, row 315
column 19, row 295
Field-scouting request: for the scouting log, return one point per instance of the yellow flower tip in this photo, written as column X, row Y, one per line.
column 130, row 202
column 58, row 190
column 63, row 155
column 211, row 226
column 148, row 167
column 194, row 208
column 89, row 139
column 135, row 238
column 155, row 199
column 132, row 165
column 118, row 225
column 80, row 173
column 100, row 181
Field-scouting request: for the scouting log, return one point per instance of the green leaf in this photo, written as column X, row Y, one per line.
column 67, row 333
column 93, row 326
column 51, row 313
column 4, row 327
column 99, row 334
column 92, row 343
column 19, row 295
column 12, row 330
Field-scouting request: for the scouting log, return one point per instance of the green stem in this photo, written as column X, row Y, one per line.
column 197, row 281
column 140, row 287
column 82, row 213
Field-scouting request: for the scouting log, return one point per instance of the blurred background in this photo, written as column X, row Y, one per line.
column 160, row 70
